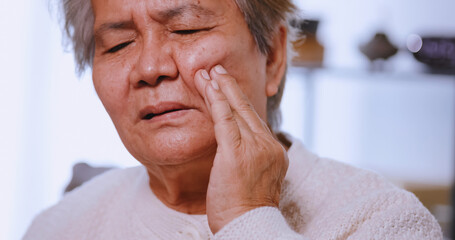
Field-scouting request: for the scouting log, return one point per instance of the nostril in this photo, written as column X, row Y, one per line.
column 142, row 83
column 162, row 78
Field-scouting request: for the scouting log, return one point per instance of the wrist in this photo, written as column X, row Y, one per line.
column 220, row 219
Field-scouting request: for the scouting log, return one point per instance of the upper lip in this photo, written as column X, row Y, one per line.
column 151, row 111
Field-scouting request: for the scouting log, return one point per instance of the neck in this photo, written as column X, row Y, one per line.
column 182, row 187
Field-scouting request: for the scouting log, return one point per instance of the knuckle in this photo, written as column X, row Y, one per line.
column 246, row 107
column 223, row 111
column 226, row 80
column 227, row 117
column 278, row 151
column 244, row 99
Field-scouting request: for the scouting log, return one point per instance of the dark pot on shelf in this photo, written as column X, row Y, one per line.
column 379, row 48
column 310, row 53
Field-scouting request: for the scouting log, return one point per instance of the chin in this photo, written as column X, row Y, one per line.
column 173, row 145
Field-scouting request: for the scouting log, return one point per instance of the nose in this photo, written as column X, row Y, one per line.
column 154, row 65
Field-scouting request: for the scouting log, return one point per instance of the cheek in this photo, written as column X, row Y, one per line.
column 242, row 61
column 107, row 80
column 202, row 54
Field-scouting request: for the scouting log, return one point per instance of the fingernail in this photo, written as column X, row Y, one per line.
column 215, row 85
column 220, row 69
column 205, row 74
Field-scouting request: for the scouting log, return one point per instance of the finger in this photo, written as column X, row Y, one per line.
column 202, row 79
column 243, row 126
column 227, row 129
column 223, row 113
column 237, row 99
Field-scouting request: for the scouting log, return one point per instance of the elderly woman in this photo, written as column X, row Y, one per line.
column 192, row 87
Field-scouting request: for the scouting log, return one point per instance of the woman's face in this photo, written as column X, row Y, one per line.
column 146, row 55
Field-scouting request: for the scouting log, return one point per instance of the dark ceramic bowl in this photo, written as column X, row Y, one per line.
column 438, row 53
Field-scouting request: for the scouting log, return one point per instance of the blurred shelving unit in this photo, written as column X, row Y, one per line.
column 399, row 124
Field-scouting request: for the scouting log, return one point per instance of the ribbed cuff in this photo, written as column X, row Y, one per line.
column 265, row 223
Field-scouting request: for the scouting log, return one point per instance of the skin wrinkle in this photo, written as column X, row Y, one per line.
column 174, row 152
column 169, row 17
column 112, row 26
column 259, row 15
column 190, row 9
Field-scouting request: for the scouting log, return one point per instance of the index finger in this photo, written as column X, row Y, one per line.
column 237, row 99
column 227, row 127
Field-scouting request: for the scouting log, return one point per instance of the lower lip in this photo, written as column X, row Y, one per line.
column 169, row 116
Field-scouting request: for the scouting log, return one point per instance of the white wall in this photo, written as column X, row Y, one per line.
column 50, row 119
column 12, row 102
column 400, row 125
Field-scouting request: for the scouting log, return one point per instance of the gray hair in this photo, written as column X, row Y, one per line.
column 262, row 17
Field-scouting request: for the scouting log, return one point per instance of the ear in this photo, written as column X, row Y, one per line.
column 276, row 61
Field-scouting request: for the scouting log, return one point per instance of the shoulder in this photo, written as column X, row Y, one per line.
column 323, row 194
column 82, row 207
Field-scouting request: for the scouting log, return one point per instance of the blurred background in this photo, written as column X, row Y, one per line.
column 372, row 84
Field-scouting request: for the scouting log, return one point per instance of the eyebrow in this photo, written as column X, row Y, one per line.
column 113, row 26
column 168, row 15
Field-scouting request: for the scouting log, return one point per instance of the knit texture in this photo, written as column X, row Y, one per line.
column 247, row 227
column 321, row 199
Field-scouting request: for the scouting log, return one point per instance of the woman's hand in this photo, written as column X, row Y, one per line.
column 250, row 164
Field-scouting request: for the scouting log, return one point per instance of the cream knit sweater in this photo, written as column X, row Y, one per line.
column 321, row 199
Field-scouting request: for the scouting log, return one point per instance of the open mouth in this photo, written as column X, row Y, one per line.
column 152, row 115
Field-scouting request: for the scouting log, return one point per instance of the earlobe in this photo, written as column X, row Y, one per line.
column 271, row 90
column 276, row 61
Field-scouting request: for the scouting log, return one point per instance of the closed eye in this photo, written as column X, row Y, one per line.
column 191, row 31
column 119, row 47
column 187, row 32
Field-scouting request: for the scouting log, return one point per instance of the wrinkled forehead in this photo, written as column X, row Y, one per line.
column 159, row 10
